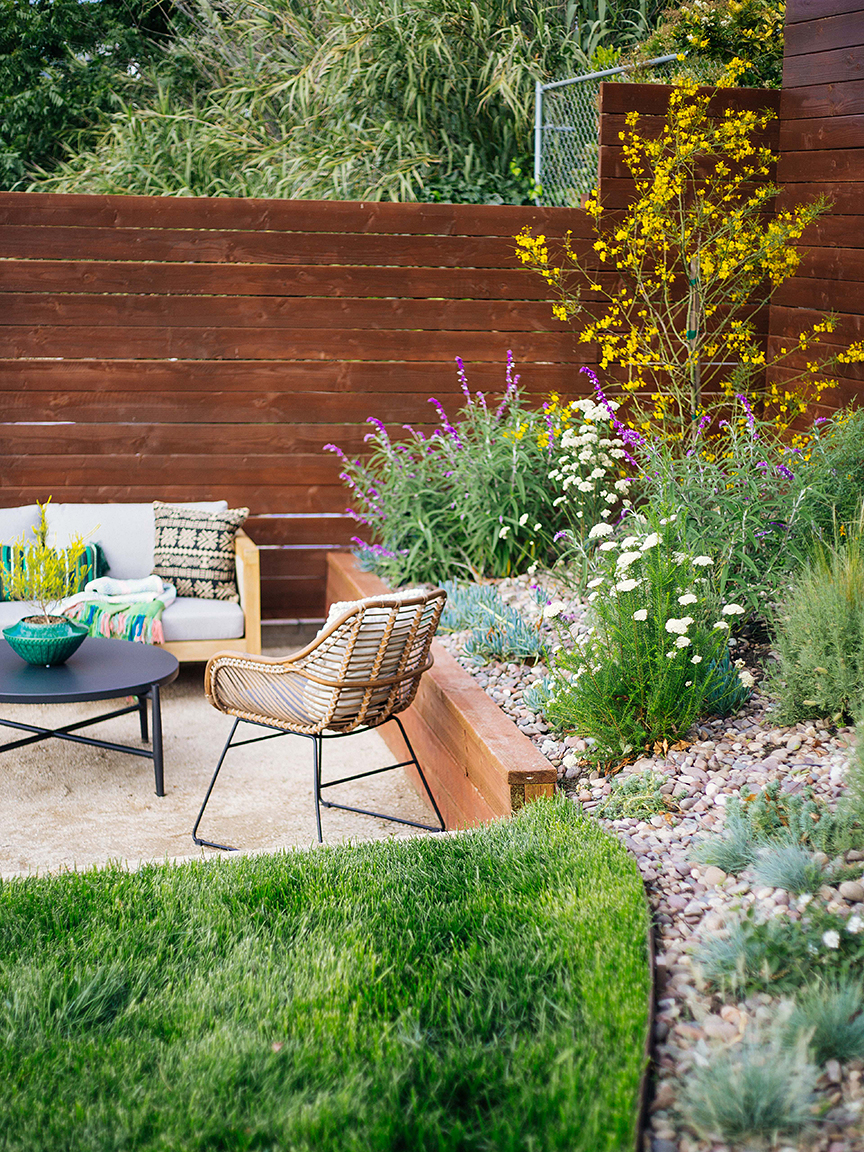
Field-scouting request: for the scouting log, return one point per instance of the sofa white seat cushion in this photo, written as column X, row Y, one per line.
column 185, row 619
column 191, row 619
column 125, row 531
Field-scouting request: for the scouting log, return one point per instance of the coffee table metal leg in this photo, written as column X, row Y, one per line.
column 142, row 716
column 157, row 739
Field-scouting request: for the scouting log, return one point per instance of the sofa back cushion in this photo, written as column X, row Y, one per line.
column 125, row 531
column 18, row 522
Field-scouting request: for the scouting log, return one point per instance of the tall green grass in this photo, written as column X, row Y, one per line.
column 371, row 99
column 486, row 991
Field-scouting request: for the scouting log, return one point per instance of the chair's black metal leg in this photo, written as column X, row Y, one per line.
column 142, row 716
column 383, row 815
column 209, row 843
column 420, row 770
column 317, row 756
column 157, row 739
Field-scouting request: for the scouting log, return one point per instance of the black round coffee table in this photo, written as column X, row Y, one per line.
column 99, row 670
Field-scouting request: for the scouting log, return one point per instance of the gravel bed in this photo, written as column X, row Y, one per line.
column 692, row 902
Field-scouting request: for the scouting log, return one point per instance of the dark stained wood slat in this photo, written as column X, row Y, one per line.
column 815, row 100
column 283, row 598
column 334, row 216
column 86, row 469
column 82, row 243
column 834, row 231
column 612, row 124
column 820, row 35
column 653, row 99
column 288, row 344
column 788, row 321
column 822, row 132
column 613, row 166
column 261, row 499
column 807, row 11
column 270, row 379
column 286, row 529
column 832, row 263
column 241, row 440
column 293, row 563
column 218, row 407
column 826, row 295
column 818, row 166
column 835, row 67
column 263, row 280
column 845, row 199
column 255, row 312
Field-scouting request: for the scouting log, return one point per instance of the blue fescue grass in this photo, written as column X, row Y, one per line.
column 486, row 991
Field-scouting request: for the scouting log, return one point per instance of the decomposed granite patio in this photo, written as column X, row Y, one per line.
column 66, row 805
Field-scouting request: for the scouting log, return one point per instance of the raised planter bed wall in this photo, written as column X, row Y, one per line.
column 822, row 153
column 205, row 348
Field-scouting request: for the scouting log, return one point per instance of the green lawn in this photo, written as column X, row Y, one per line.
column 487, row 991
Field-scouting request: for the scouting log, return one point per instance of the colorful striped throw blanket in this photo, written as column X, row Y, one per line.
column 125, row 609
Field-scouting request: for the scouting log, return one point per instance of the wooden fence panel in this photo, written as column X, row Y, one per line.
column 822, row 154
column 180, row 348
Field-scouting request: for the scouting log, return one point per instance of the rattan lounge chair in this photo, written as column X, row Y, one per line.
column 359, row 672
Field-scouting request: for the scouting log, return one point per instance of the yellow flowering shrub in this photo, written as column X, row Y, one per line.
column 686, row 268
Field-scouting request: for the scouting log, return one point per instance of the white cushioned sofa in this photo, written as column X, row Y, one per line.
column 194, row 629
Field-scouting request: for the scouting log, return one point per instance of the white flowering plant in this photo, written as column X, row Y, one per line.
column 591, row 470
column 647, row 667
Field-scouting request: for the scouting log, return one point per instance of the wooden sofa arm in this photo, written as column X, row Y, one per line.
column 249, row 584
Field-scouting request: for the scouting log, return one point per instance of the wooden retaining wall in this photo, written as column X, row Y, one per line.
column 822, row 153
column 184, row 348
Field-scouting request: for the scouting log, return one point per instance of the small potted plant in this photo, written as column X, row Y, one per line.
column 43, row 577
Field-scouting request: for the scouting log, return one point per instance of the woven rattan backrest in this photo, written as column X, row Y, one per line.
column 367, row 662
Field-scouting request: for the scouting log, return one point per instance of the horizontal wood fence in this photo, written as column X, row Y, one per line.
column 187, row 349
column 822, row 154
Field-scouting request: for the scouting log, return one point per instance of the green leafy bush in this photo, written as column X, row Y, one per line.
column 474, row 499
column 643, row 674
column 820, row 638
column 715, row 32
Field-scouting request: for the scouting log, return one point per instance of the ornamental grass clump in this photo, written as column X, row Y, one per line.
column 474, row 499
column 752, row 1093
column 643, row 673
column 820, row 638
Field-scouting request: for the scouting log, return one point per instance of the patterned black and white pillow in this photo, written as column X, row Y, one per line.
column 194, row 550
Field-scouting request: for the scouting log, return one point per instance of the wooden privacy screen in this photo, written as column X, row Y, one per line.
column 187, row 349
column 822, row 152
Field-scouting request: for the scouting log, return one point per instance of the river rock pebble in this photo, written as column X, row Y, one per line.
column 692, row 902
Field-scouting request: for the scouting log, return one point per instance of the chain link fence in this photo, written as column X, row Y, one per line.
column 567, row 113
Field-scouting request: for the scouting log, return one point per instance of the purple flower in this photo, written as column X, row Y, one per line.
column 463, row 379
column 782, row 470
column 558, row 536
column 382, row 431
column 448, row 427
column 762, row 464
column 512, row 381
column 414, row 432
column 338, row 451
